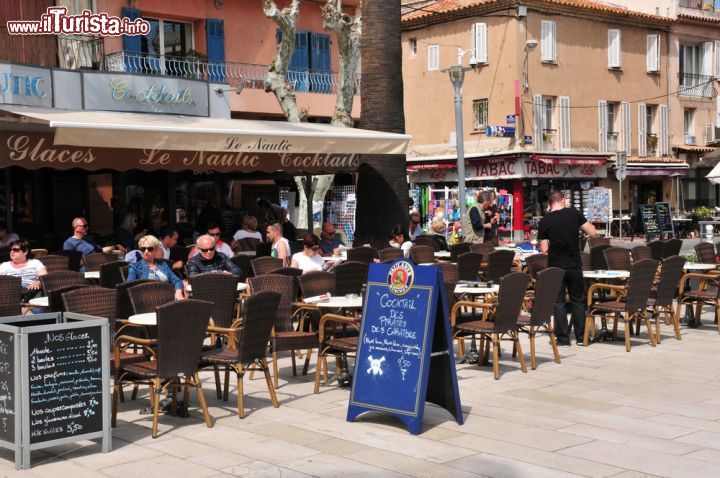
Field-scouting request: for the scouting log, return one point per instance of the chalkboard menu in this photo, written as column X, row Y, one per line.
column 650, row 220
column 404, row 345
column 665, row 218
column 66, row 387
column 7, row 388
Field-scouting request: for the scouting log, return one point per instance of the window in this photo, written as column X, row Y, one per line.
column 614, row 48
column 310, row 68
column 479, row 42
column 696, row 70
column 165, row 46
column 688, row 115
column 611, row 116
column 548, row 40
column 480, row 114
column 433, row 58
column 649, row 118
column 413, row 46
column 653, row 54
column 547, row 113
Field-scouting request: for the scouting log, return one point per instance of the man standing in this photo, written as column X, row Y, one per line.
column 491, row 217
column 414, row 230
column 329, row 242
column 208, row 260
column 81, row 241
column 472, row 222
column 559, row 237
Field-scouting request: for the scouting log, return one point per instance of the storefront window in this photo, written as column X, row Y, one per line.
column 166, row 42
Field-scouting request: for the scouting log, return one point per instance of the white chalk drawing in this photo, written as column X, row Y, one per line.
column 404, row 364
column 375, row 365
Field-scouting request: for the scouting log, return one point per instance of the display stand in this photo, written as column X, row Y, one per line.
column 598, row 207
column 505, row 209
column 339, row 208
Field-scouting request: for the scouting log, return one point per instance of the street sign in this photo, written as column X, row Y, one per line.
column 528, row 139
column 621, row 174
column 621, row 165
column 510, row 119
column 500, row 131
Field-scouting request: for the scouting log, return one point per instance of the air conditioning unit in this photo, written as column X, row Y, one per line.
column 689, row 139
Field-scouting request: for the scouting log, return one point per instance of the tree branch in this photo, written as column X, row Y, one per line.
column 277, row 78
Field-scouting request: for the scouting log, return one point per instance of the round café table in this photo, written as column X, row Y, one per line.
column 92, row 275
column 39, row 302
column 148, row 318
column 339, row 258
column 240, row 287
column 342, row 303
column 699, row 267
column 442, row 255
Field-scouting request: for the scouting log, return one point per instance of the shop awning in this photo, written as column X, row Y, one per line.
column 657, row 172
column 570, row 160
column 102, row 129
column 714, row 176
column 426, row 166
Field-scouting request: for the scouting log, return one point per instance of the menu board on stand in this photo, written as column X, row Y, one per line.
column 650, row 221
column 665, row 219
column 598, row 207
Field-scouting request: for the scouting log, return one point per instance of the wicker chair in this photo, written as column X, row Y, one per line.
column 598, row 241
column 705, row 252
column 74, row 258
column 332, row 344
column 634, row 302
column 451, row 272
column 10, row 296
column 350, row 277
column 586, row 259
column 457, row 249
column 221, row 291
column 263, row 265
column 60, row 279
column 548, row 284
column 113, row 273
column 92, row 262
column 707, row 293
column 422, row 254
column 469, row 265
column 55, row 263
column 243, row 262
column 658, row 249
column 673, row 247
column 597, row 257
column 536, row 263
column 662, row 297
column 504, row 313
column 427, row 241
column 617, row 258
column 181, row 328
column 362, row 254
column 55, row 302
column 249, row 243
column 124, row 306
column 148, row 296
column 293, row 272
column 284, row 337
column 96, row 301
column 390, row 254
column 499, row 263
column 639, row 253
column 249, row 345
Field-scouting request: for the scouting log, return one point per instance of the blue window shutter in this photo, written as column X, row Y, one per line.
column 321, row 73
column 215, row 33
column 300, row 62
column 131, row 44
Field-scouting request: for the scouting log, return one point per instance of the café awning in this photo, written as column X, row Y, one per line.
column 714, row 176
column 103, row 129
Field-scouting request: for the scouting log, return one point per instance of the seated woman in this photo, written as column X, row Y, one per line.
column 397, row 240
column 152, row 266
column 248, row 229
column 438, row 229
column 308, row 259
column 28, row 270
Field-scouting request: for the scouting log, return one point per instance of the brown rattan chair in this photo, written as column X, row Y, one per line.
column 10, row 295
column 284, row 336
column 150, row 295
column 113, row 273
column 536, row 263
column 457, row 249
column 181, row 329
column 60, row 279
column 597, row 257
column 499, row 263
column 705, row 252
column 55, row 263
column 658, row 249
column 243, row 262
column 598, row 241
column 362, row 254
column 92, row 262
column 451, row 272
column 427, row 241
column 631, row 303
column 221, row 291
column 55, row 302
column 673, row 247
column 717, row 246
column 617, row 258
column 482, row 247
column 390, row 254
column 707, row 293
column 331, row 343
column 124, row 306
column 547, row 288
column 504, row 315
column 350, row 277
column 249, row 345
column 96, row 301
column 263, row 265
column 469, row 265
column 312, row 284
column 662, row 296
column 586, row 259
column 249, row 243
column 422, row 254
column 639, row 253
column 74, row 258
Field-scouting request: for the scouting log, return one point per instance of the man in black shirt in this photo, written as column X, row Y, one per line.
column 209, row 260
column 559, row 237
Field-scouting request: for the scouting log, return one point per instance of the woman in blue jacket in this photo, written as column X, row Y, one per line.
column 149, row 268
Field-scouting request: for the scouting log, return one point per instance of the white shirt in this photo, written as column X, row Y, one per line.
column 274, row 251
column 242, row 234
column 405, row 247
column 27, row 274
column 307, row 263
column 166, row 252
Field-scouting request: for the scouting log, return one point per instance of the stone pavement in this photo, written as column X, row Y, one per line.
column 601, row 413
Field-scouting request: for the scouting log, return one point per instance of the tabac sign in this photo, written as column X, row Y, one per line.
column 36, row 150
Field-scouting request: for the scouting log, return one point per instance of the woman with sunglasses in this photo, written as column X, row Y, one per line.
column 152, row 266
column 28, row 270
column 309, row 258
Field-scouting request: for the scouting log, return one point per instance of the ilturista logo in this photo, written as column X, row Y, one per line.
column 56, row 21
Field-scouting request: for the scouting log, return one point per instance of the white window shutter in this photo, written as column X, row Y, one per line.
column 706, row 66
column 642, row 133
column 717, row 58
column 565, row 131
column 602, row 126
column 481, row 42
column 553, row 42
column 433, row 57
column 473, row 38
column 664, row 141
column 548, row 37
column 626, row 127
column 653, row 53
column 614, row 48
column 538, row 117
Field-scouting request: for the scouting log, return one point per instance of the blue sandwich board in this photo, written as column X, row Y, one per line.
column 405, row 353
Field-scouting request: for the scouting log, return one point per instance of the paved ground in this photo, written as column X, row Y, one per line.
column 602, row 412
column 688, row 246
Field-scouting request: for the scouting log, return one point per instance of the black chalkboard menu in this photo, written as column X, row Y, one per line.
column 66, row 386
column 650, row 220
column 7, row 388
column 665, row 218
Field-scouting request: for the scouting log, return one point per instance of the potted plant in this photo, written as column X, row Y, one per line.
column 703, row 213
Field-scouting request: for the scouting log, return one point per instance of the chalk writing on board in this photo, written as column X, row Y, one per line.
column 375, row 365
column 7, row 401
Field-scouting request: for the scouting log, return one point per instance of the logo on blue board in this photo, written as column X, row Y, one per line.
column 400, row 277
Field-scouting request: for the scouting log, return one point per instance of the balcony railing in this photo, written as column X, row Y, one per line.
column 696, row 85
column 651, row 141
column 235, row 74
column 549, row 140
column 612, row 141
column 706, row 5
column 75, row 52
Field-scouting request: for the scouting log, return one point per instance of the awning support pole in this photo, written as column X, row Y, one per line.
column 309, row 185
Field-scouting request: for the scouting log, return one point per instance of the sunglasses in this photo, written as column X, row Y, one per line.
column 215, row 234
column 82, row 225
column 315, row 247
column 147, row 249
column 206, row 250
column 16, row 249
